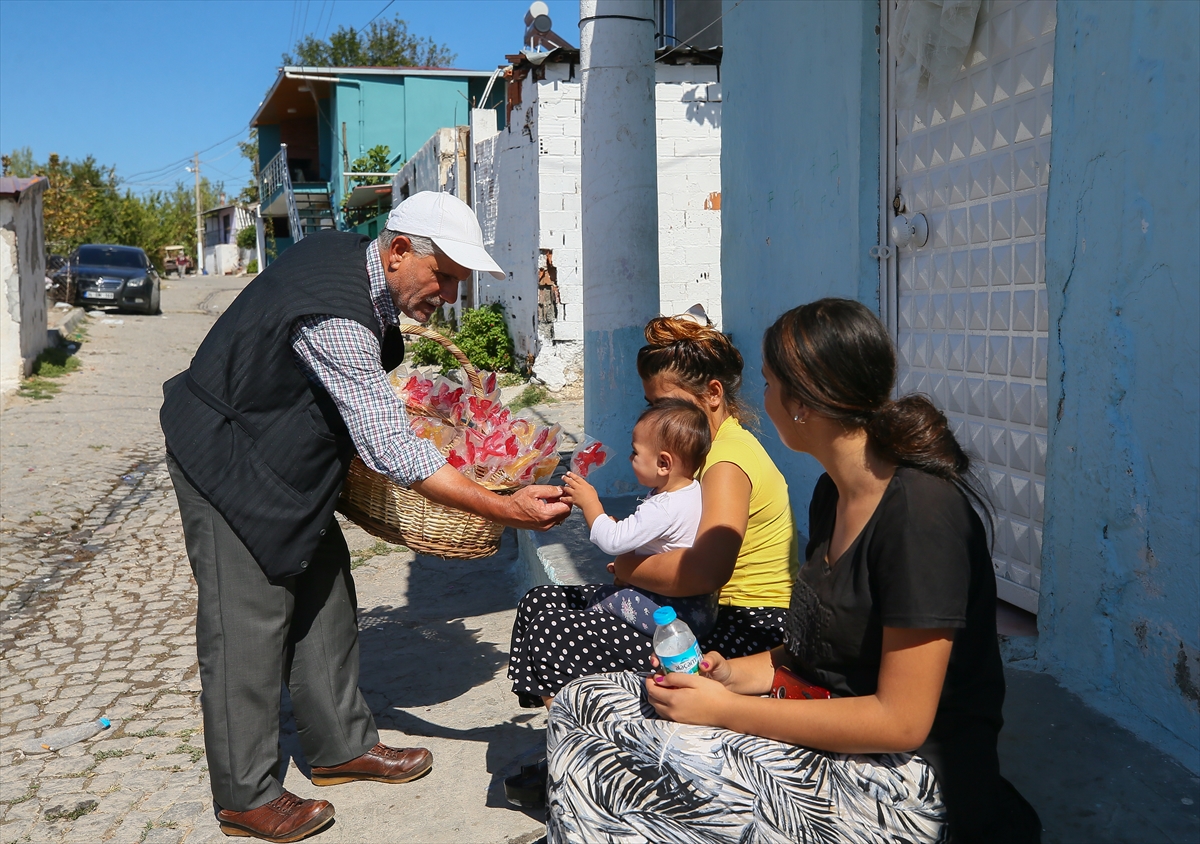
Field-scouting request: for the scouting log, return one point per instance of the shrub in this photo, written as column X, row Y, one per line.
column 484, row 338
column 252, row 266
column 247, row 238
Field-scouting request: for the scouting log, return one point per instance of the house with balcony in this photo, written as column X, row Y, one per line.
column 316, row 121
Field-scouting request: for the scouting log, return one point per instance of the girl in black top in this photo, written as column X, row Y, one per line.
column 893, row 614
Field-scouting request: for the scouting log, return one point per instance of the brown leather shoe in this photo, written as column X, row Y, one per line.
column 379, row 764
column 286, row 818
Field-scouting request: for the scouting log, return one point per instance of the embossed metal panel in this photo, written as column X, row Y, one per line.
column 971, row 307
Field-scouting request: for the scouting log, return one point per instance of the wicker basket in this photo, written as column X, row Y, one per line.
column 396, row 514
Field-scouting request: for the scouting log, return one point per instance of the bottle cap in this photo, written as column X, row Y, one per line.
column 105, row 723
column 664, row 616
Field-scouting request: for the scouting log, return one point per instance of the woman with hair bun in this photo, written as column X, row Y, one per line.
column 890, row 665
column 745, row 546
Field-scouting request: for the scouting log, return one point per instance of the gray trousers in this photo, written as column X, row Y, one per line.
column 252, row 637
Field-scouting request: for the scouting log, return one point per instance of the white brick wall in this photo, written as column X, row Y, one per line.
column 534, row 204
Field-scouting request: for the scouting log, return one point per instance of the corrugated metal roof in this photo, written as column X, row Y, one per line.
column 16, row 185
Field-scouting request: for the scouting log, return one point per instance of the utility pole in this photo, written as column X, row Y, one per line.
column 199, row 224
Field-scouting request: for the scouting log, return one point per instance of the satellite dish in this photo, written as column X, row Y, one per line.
column 537, row 28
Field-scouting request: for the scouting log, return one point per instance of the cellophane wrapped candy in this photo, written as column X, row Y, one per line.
column 478, row 435
column 588, row 455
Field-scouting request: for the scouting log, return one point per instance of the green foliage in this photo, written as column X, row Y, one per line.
column 484, row 339
column 247, row 238
column 383, row 43
column 531, row 395
column 377, row 160
column 252, row 266
column 249, row 151
column 52, row 363
column 84, row 203
column 428, row 353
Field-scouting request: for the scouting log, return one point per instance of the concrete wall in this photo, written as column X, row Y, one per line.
column 532, row 205
column 433, row 165
column 688, row 119
column 1121, row 572
column 22, row 285
column 800, row 178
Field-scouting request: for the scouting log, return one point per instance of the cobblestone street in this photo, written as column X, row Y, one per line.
column 98, row 606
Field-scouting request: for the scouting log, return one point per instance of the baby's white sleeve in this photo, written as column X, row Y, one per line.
column 648, row 522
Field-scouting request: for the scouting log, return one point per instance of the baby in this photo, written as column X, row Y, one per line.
column 670, row 441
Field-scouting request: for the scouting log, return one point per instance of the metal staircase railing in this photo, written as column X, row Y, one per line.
column 274, row 178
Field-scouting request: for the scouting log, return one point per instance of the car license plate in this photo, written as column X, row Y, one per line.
column 99, row 294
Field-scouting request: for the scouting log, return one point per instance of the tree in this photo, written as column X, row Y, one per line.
column 84, row 204
column 381, row 44
column 249, row 150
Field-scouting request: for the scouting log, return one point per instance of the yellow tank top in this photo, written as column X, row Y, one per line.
column 768, row 561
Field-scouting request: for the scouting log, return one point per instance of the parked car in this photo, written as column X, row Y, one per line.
column 114, row 275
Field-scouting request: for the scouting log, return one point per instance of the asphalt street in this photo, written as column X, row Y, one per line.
column 97, row 611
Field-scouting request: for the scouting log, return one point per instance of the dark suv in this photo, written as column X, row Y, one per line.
column 114, row 275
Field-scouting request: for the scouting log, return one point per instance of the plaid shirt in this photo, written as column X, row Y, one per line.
column 342, row 356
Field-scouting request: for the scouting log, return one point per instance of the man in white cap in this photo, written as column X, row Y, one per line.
column 290, row 382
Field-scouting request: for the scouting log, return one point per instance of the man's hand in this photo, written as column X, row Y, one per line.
column 533, row 507
column 537, row 508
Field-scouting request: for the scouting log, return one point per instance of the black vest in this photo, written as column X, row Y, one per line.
column 263, row 444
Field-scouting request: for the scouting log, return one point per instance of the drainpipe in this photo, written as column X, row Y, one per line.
column 619, row 186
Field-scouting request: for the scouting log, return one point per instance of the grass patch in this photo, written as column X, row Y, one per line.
column 73, row 814
column 147, row 733
column 51, row 364
column 379, row 549
column 28, row 795
column 531, row 395
column 191, row 751
column 101, row 755
column 510, row 379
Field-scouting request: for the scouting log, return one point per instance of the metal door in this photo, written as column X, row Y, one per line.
column 969, row 307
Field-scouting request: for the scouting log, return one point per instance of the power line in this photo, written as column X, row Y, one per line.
column 329, row 21
column 304, row 24
column 158, row 170
column 697, row 33
column 380, row 12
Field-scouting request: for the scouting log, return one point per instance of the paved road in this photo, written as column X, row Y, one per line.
column 97, row 611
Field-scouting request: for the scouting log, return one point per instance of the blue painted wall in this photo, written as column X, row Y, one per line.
column 799, row 178
column 1121, row 567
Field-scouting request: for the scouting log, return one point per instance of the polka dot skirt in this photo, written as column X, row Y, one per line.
column 555, row 639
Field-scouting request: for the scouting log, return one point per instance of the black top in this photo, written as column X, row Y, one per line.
column 263, row 444
column 922, row 561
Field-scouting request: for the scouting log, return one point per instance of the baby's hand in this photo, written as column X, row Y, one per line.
column 581, row 492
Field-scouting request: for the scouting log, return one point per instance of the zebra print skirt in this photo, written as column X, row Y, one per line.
column 618, row 773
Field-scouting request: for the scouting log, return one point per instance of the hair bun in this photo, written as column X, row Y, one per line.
column 665, row 330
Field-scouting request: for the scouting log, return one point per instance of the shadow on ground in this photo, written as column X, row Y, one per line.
column 428, row 652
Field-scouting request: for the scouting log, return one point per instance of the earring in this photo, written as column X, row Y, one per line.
column 797, row 419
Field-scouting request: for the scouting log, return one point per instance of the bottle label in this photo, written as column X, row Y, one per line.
column 687, row 662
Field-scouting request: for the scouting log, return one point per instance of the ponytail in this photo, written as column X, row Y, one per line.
column 835, row 357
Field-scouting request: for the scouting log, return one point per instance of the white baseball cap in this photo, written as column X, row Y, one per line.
column 450, row 224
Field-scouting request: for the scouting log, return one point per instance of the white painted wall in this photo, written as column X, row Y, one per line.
column 439, row 162
column 22, row 286
column 688, row 117
column 528, row 200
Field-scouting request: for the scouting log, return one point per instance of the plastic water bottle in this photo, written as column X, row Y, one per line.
column 65, row 737
column 675, row 644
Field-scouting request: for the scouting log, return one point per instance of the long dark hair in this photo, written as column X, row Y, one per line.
column 835, row 357
column 692, row 355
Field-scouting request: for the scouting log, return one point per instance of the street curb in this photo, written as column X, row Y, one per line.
column 67, row 327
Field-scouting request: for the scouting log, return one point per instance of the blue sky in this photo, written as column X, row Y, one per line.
column 142, row 85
